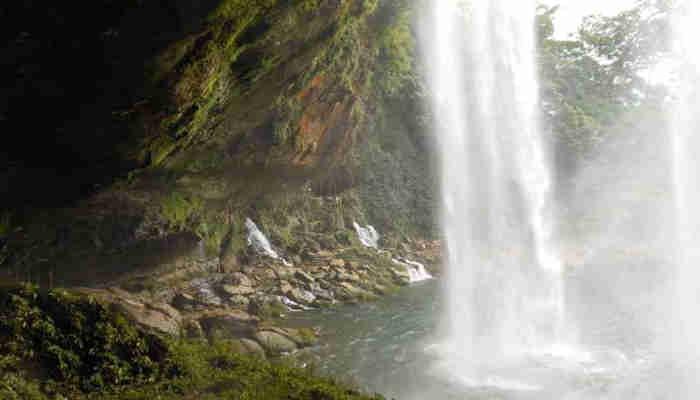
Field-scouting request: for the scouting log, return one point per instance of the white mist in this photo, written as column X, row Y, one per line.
column 505, row 284
column 685, row 124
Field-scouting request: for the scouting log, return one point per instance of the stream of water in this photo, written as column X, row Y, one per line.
column 393, row 347
column 508, row 321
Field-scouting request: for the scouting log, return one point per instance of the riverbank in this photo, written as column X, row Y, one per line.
column 63, row 345
column 191, row 320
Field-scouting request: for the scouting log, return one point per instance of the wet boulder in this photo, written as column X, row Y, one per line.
column 232, row 290
column 304, row 277
column 229, row 324
column 159, row 317
column 250, row 347
column 401, row 275
column 275, row 343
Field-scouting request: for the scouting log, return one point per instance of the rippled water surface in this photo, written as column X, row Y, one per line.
column 391, row 347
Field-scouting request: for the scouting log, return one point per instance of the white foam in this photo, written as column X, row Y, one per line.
column 368, row 236
column 416, row 271
column 260, row 243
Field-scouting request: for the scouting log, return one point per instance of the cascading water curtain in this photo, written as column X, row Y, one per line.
column 685, row 127
column 505, row 290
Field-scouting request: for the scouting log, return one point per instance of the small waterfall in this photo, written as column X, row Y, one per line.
column 260, row 243
column 685, row 122
column 416, row 271
column 368, row 236
column 505, row 284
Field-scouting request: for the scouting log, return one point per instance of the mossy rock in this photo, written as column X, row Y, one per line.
column 275, row 343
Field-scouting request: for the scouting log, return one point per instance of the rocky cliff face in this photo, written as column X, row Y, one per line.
column 148, row 138
column 115, row 87
column 149, row 131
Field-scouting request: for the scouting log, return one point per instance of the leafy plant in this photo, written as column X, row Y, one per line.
column 79, row 342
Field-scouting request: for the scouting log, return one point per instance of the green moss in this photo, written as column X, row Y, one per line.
column 178, row 208
column 309, row 5
column 161, row 148
column 307, row 336
column 196, row 74
column 397, row 63
column 213, row 229
column 236, row 9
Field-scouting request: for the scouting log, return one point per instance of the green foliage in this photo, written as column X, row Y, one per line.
column 589, row 81
column 81, row 344
column 178, row 208
column 236, row 9
column 344, row 237
column 221, row 372
column 398, row 184
column 212, row 231
column 309, row 5
column 397, row 64
column 91, row 352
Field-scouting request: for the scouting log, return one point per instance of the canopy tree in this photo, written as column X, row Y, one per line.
column 591, row 79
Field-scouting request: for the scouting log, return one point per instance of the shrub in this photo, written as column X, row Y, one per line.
column 80, row 343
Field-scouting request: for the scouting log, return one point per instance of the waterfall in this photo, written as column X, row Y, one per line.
column 505, row 286
column 685, row 122
column 368, row 236
column 416, row 271
column 260, row 244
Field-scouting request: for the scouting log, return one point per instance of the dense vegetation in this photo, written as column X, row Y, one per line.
column 57, row 345
column 596, row 78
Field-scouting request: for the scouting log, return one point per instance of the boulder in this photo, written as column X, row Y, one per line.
column 348, row 277
column 184, row 302
column 301, row 296
column 328, row 242
column 302, row 337
column 368, row 268
column 351, row 292
column 230, row 323
column 285, row 287
column 264, row 305
column 303, row 276
column 284, row 272
column 241, row 279
column 337, row 263
column 193, row 329
column 379, row 289
column 267, row 274
column 320, row 274
column 239, row 301
column 232, row 290
column 160, row 317
column 204, row 292
column 275, row 343
column 401, row 275
column 323, row 284
column 322, row 295
column 313, row 245
column 250, row 347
